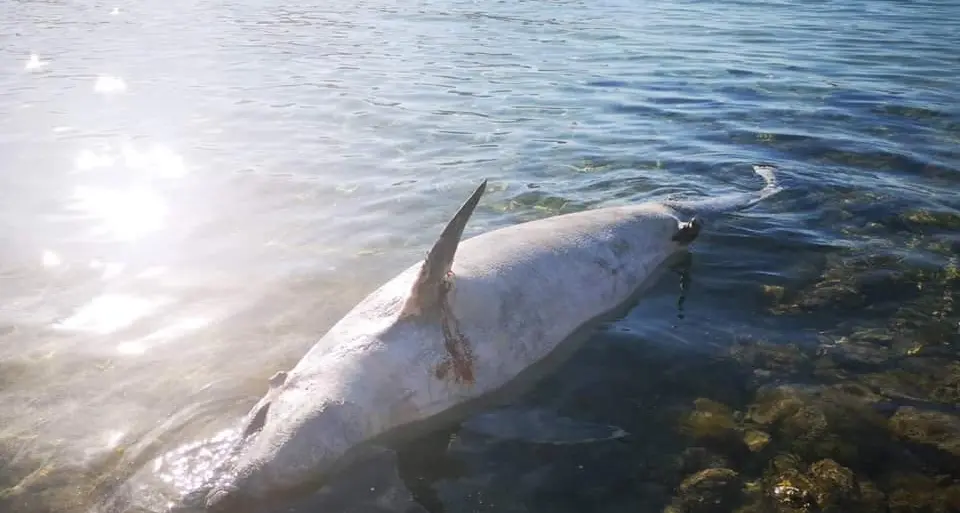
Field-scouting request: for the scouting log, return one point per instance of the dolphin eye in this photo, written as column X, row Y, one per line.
column 258, row 420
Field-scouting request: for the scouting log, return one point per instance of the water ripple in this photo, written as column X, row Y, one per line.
column 184, row 183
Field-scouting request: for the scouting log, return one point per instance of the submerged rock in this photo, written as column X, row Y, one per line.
column 836, row 487
column 928, row 428
column 916, row 493
column 756, row 440
column 863, row 349
column 715, row 490
column 825, row 486
column 695, row 459
column 773, row 405
column 778, row 359
column 856, row 281
column 837, row 422
column 710, row 420
column 792, row 490
column 926, row 219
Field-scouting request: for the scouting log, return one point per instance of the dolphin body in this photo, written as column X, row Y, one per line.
column 463, row 324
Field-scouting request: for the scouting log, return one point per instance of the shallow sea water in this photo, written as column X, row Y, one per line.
column 192, row 192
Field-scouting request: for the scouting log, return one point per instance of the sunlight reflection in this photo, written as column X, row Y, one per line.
column 157, row 161
column 110, row 269
column 50, row 259
column 107, row 84
column 115, row 11
column 126, row 214
column 34, row 63
column 113, row 438
column 189, row 466
column 152, row 272
column 109, row 443
column 88, row 160
column 110, row 312
column 161, row 336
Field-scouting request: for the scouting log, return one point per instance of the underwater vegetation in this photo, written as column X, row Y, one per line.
column 868, row 419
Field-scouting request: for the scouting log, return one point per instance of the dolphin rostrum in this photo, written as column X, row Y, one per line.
column 463, row 324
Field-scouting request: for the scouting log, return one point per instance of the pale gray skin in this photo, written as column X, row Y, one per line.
column 430, row 340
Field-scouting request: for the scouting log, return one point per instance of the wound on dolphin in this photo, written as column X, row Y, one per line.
column 427, row 292
column 430, row 295
column 460, row 355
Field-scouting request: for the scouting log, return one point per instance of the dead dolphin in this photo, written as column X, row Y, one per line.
column 448, row 331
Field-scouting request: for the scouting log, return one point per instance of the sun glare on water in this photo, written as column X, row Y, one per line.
column 157, row 161
column 50, row 259
column 166, row 334
column 189, row 466
column 109, row 313
column 108, row 85
column 88, row 159
column 133, row 211
column 125, row 214
column 34, row 63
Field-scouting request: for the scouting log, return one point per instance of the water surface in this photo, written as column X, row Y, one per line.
column 192, row 192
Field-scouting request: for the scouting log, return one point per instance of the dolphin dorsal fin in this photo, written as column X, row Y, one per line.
column 425, row 295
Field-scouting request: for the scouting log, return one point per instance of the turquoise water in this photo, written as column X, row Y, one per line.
column 192, row 192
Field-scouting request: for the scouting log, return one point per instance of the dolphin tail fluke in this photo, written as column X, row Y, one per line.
column 769, row 175
column 425, row 295
column 735, row 201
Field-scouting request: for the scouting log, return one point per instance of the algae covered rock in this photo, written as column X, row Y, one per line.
column 871, row 497
column 779, row 359
column 808, row 422
column 824, row 486
column 863, row 349
column 793, row 491
column 836, row 486
column 927, row 219
column 916, row 493
column 756, row 440
column 819, row 423
column 928, row 428
column 695, row 459
column 714, row 490
column 854, row 282
column 710, row 420
column 774, row 404
column 930, row 379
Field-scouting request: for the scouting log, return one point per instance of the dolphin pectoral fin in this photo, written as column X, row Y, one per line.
column 687, row 232
column 425, row 460
column 425, row 295
column 539, row 426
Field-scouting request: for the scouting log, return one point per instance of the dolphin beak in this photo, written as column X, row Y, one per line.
column 687, row 232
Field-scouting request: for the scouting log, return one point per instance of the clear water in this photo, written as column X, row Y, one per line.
column 192, row 192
